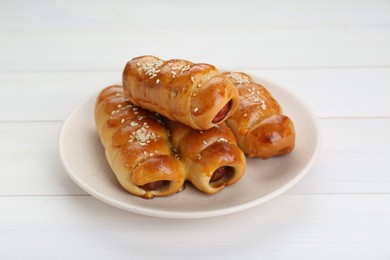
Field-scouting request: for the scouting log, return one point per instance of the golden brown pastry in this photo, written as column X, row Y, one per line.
column 258, row 124
column 137, row 146
column 211, row 157
column 194, row 94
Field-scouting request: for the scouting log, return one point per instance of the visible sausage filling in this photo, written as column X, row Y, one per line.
column 222, row 113
column 154, row 185
column 223, row 173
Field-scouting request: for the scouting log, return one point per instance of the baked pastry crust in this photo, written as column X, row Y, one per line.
column 211, row 157
column 197, row 95
column 259, row 125
column 137, row 146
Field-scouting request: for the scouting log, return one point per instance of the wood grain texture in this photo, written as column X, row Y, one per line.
column 175, row 14
column 289, row 227
column 97, row 49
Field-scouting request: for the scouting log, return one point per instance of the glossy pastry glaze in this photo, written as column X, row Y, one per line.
column 211, row 157
column 258, row 124
column 194, row 94
column 137, row 146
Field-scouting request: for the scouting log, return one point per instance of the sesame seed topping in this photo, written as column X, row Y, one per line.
column 185, row 68
column 204, row 142
column 199, row 85
column 194, row 95
column 239, row 78
column 151, row 68
column 144, row 136
column 145, row 153
column 193, row 79
column 245, row 114
column 157, row 81
column 222, row 140
column 122, row 121
column 199, row 156
column 142, row 144
column 119, row 106
column 201, row 132
column 263, row 106
column 196, row 109
column 151, row 154
column 133, row 123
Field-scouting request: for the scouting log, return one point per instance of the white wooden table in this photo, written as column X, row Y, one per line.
column 333, row 54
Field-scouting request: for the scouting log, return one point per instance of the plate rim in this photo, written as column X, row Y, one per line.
column 202, row 214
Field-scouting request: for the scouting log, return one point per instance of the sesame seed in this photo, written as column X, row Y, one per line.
column 245, row 114
column 136, row 113
column 122, row 121
column 194, row 95
column 145, row 153
column 204, row 142
column 196, row 109
column 199, row 85
column 193, row 79
column 185, row 68
column 199, row 156
column 201, row 132
column 151, row 154
column 130, row 141
column 142, row 144
column 119, row 106
column 151, row 69
column 222, row 140
column 157, row 81
column 239, row 78
column 133, row 123
column 263, row 106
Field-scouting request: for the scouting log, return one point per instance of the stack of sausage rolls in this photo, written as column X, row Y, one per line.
column 174, row 121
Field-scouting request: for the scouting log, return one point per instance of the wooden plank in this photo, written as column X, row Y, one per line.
column 87, row 49
column 354, row 158
column 350, row 160
column 179, row 15
column 29, row 160
column 288, row 227
column 330, row 92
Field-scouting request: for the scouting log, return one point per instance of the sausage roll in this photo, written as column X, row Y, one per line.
column 258, row 124
column 211, row 157
column 137, row 146
column 197, row 95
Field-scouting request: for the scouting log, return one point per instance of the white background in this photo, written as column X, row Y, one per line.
column 334, row 54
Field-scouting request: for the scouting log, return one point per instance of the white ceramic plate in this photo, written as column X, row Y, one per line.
column 83, row 158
